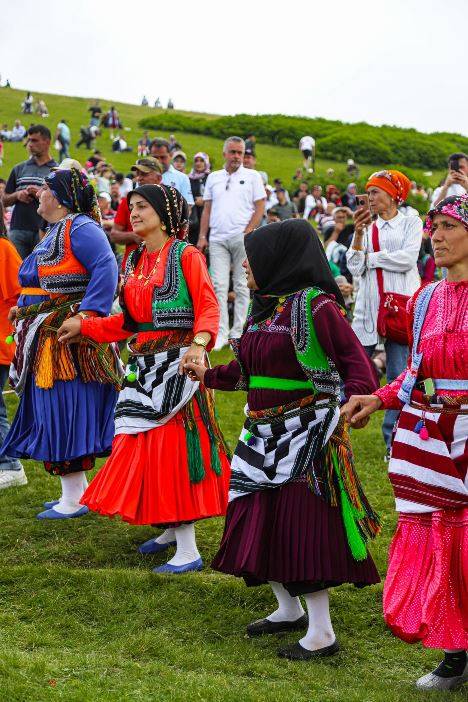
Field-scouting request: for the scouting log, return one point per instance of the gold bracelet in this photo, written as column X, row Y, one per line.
column 83, row 315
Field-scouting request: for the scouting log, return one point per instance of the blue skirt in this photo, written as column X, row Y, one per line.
column 71, row 420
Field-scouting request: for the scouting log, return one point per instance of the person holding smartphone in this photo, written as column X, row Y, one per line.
column 456, row 182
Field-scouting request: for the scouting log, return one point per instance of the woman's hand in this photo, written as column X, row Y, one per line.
column 195, row 371
column 359, row 408
column 12, row 314
column 362, row 219
column 195, row 354
column 70, row 330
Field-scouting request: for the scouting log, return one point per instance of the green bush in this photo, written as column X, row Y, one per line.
column 336, row 140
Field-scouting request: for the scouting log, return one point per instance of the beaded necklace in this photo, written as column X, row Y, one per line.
column 153, row 270
column 269, row 320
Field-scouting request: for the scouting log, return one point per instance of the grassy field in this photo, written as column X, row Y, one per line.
column 83, row 619
column 277, row 161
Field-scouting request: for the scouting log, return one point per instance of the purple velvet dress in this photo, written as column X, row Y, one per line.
column 288, row 534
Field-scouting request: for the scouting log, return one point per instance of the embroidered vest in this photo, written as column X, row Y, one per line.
column 172, row 306
column 58, row 269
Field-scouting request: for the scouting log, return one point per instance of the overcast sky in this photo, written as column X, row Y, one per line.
column 397, row 62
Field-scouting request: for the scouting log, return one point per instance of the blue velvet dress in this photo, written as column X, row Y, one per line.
column 73, row 419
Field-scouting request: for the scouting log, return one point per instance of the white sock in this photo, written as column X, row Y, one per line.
column 166, row 537
column 187, row 550
column 289, row 608
column 320, row 632
column 72, row 492
column 84, row 480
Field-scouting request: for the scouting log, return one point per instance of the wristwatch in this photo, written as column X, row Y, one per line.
column 200, row 341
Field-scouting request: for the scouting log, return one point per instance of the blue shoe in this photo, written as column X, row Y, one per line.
column 152, row 546
column 51, row 503
column 177, row 570
column 52, row 514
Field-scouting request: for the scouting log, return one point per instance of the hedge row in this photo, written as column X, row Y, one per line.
column 337, row 141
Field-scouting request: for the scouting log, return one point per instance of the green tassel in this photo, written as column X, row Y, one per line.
column 194, row 453
column 215, row 462
column 355, row 541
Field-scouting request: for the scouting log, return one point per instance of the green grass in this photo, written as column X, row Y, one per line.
column 278, row 161
column 83, row 619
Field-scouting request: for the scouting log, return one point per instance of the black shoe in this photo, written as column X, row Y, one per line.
column 265, row 626
column 296, row 652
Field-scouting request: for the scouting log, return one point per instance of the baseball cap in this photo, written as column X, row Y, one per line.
column 249, row 152
column 147, row 164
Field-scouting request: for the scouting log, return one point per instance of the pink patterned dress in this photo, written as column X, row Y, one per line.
column 426, row 589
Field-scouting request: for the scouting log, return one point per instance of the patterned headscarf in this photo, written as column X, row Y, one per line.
column 395, row 183
column 455, row 206
column 198, row 175
column 74, row 191
column 170, row 206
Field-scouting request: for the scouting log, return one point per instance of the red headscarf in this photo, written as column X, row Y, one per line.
column 395, row 183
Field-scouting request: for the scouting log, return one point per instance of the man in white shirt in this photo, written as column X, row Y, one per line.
column 161, row 149
column 307, row 146
column 315, row 203
column 399, row 244
column 456, row 182
column 234, row 200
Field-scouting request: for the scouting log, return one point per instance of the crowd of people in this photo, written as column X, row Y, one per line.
column 318, row 292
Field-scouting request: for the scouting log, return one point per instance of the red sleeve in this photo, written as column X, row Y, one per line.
column 205, row 304
column 105, row 329
column 223, row 377
column 342, row 346
column 122, row 216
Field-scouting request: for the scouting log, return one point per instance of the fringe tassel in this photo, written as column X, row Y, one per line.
column 44, row 367
column 356, row 542
column 194, row 452
column 206, row 404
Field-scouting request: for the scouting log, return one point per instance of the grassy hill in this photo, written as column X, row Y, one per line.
column 277, row 161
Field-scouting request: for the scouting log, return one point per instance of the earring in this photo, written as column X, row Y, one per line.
column 163, row 227
column 59, row 207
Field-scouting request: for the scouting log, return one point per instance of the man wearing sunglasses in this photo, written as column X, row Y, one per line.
column 234, row 200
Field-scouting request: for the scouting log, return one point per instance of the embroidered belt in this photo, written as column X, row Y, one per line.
column 265, row 382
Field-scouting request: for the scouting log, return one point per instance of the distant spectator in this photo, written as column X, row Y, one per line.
column 87, row 136
column 352, row 168
column 144, row 145
column 456, row 182
column 21, row 190
column 96, row 158
column 41, row 109
column 144, row 101
column 96, row 112
column 307, row 146
column 147, row 171
column 271, row 199
column 160, row 149
column 284, row 209
column 337, row 238
column 300, row 197
column 18, row 132
column 125, row 184
column 112, row 120
column 119, row 144
column 173, row 144
column 251, row 143
column 198, row 175
column 332, row 194
column 107, row 214
column 234, row 205
column 179, row 160
column 63, row 136
column 315, row 203
column 27, row 105
column 272, row 215
column 157, row 102
column 349, row 198
column 250, row 161
column 297, row 177
column 426, row 263
column 115, row 196
column 170, row 104
column 5, row 132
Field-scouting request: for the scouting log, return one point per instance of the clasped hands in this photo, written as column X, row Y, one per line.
column 359, row 408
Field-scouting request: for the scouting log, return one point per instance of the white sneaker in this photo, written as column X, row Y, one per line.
column 220, row 344
column 12, row 478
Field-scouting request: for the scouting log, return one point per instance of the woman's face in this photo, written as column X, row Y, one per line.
column 199, row 164
column 379, row 200
column 251, row 284
column 49, row 206
column 143, row 218
column 449, row 241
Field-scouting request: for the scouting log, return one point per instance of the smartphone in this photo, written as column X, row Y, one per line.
column 454, row 165
column 363, row 201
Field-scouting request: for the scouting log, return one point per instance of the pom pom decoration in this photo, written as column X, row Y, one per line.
column 424, row 434
column 131, row 377
column 10, row 339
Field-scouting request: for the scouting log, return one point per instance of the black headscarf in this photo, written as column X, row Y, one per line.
column 286, row 257
column 170, row 206
column 73, row 190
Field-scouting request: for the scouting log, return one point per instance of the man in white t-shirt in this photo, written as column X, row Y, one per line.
column 234, row 200
column 456, row 182
column 307, row 146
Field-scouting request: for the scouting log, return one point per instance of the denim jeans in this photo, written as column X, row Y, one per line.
column 24, row 241
column 223, row 255
column 397, row 357
column 6, row 463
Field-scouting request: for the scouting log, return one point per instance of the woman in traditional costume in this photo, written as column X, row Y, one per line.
column 426, row 588
column 169, row 464
column 297, row 517
column 67, row 393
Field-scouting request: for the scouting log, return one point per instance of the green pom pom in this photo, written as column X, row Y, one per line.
column 9, row 340
column 131, row 377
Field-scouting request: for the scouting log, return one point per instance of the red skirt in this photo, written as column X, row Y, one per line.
column 146, row 478
column 426, row 588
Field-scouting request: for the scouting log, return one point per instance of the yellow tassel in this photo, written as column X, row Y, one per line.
column 45, row 367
